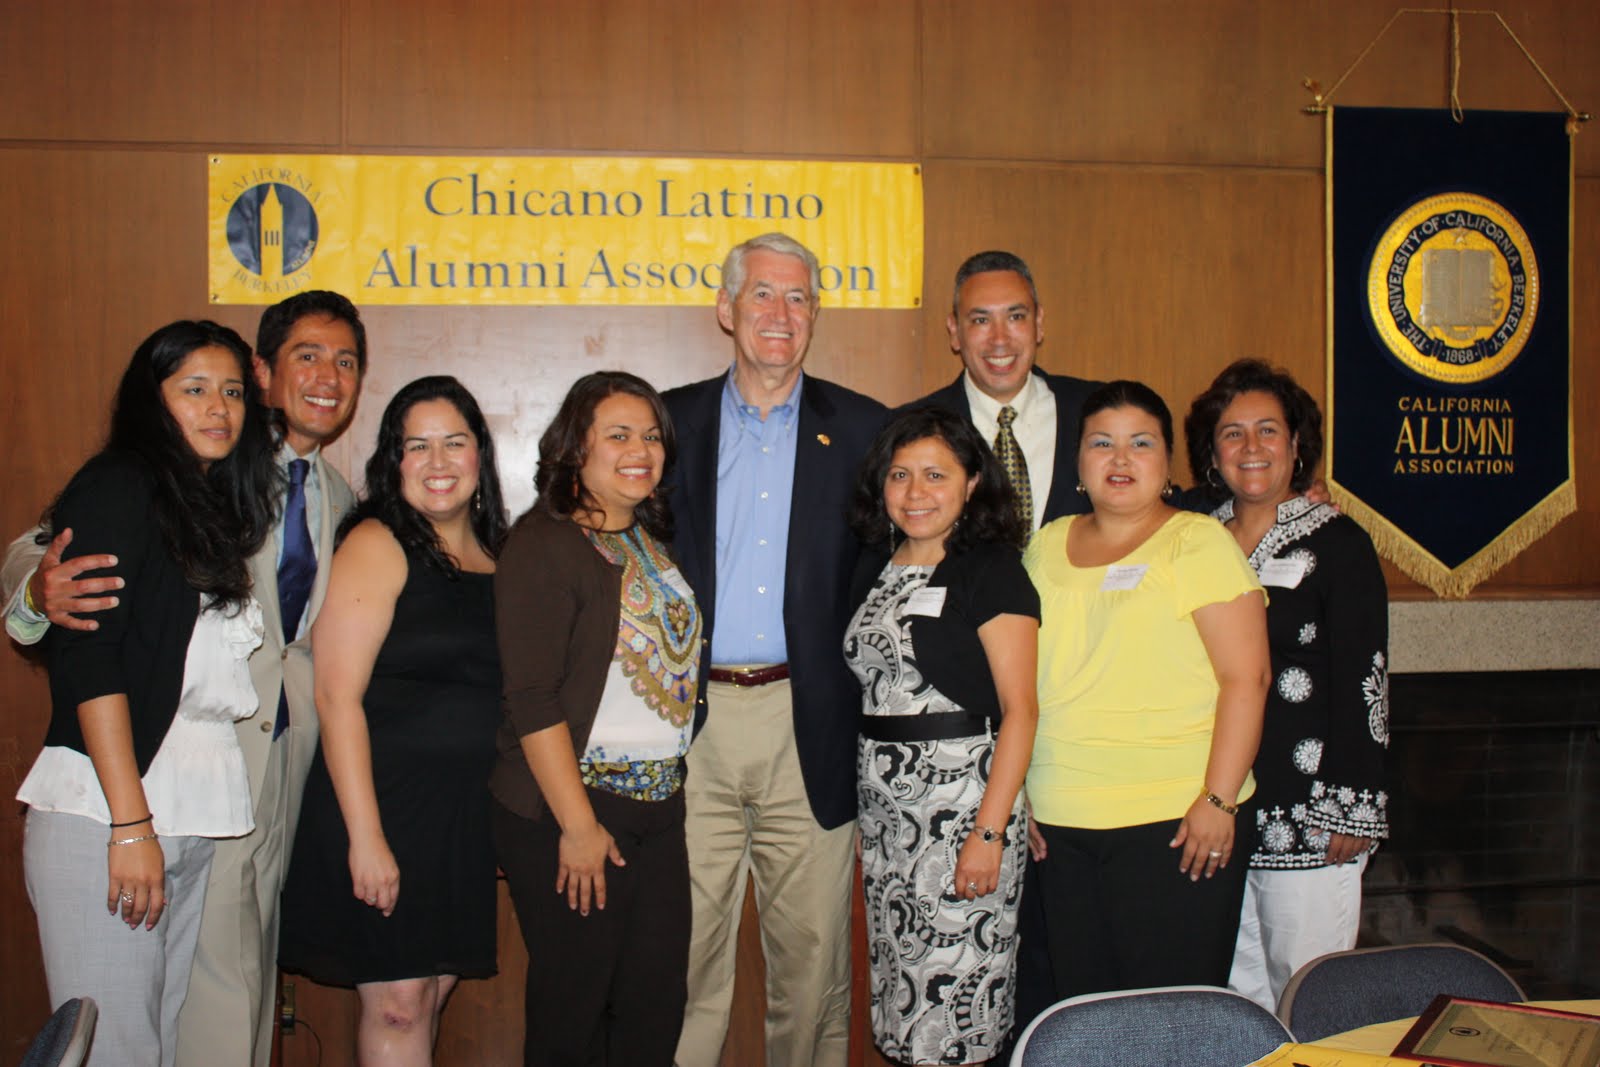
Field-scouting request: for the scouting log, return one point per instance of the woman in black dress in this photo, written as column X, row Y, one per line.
column 392, row 883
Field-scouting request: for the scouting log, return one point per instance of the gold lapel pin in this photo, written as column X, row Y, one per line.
column 824, row 439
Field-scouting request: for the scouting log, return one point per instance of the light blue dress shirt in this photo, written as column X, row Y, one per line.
column 755, row 491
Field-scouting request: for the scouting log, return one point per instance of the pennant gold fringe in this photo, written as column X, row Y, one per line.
column 1455, row 583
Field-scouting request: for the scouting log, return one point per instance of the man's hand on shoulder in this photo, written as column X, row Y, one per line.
column 56, row 591
column 1317, row 493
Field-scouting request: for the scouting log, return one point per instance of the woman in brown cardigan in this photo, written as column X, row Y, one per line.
column 600, row 645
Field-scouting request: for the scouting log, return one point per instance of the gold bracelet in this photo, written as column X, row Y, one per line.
column 132, row 840
column 1217, row 802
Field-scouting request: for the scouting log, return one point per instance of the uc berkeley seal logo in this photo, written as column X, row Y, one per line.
column 272, row 230
column 1453, row 288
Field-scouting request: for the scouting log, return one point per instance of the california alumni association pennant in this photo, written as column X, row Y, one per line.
column 1449, row 344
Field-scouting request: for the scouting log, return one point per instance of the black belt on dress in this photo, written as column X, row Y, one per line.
column 939, row 726
column 747, row 676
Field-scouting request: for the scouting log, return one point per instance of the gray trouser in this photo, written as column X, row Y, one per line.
column 137, row 977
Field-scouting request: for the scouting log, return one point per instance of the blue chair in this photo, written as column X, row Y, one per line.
column 1345, row 990
column 64, row 1040
column 1151, row 1028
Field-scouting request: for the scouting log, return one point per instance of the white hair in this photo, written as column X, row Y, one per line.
column 781, row 243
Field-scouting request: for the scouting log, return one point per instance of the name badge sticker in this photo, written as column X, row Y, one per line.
column 1123, row 576
column 928, row 601
column 1283, row 573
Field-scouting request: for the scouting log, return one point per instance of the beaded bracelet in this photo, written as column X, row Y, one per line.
column 132, row 840
column 135, row 822
column 1217, row 802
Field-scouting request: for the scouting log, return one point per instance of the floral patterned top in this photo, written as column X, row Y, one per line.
column 646, row 714
column 1320, row 769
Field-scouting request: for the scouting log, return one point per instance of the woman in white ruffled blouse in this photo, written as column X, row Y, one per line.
column 141, row 766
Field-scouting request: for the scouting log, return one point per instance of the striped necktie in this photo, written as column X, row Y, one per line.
column 1009, row 453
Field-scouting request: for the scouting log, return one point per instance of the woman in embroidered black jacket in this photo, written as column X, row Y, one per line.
column 1321, row 803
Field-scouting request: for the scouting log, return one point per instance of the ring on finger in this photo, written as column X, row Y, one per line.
column 1214, row 854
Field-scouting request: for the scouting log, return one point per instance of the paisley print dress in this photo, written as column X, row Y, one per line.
column 942, row 968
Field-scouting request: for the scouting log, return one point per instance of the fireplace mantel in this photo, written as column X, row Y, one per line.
column 1432, row 636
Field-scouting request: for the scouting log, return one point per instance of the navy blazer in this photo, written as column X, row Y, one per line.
column 836, row 427
column 1070, row 395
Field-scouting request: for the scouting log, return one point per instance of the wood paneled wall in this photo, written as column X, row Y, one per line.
column 1149, row 158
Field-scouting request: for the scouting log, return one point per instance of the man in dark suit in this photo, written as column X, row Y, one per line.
column 767, row 460
column 996, row 326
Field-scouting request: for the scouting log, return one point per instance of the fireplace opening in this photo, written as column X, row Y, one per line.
column 1495, row 824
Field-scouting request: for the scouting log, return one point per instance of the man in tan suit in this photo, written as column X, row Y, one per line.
column 311, row 353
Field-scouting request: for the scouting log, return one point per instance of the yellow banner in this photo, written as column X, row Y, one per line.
column 540, row 230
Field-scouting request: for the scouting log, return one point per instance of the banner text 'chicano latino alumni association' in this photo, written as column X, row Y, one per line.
column 543, row 230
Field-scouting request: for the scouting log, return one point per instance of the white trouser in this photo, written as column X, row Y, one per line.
column 1289, row 919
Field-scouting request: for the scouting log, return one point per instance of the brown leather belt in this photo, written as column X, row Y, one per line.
column 747, row 676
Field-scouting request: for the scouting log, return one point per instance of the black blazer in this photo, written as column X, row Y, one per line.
column 836, row 427
column 143, row 643
column 1070, row 395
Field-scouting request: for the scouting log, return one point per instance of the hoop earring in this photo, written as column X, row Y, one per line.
column 1217, row 485
column 1299, row 466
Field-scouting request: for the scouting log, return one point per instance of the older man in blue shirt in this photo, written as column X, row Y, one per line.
column 767, row 460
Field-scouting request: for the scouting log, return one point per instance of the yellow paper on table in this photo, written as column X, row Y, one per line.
column 1322, row 1056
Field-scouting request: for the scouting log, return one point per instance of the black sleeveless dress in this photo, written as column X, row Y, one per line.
column 432, row 708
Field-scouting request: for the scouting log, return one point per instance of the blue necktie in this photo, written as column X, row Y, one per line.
column 296, row 571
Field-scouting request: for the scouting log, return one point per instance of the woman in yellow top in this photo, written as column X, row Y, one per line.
column 1153, row 673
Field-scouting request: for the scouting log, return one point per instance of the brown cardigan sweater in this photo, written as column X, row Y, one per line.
column 557, row 606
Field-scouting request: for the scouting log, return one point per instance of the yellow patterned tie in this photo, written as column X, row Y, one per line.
column 1009, row 453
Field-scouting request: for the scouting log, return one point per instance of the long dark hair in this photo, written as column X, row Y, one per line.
column 564, row 448
column 212, row 518
column 384, row 500
column 1301, row 416
column 990, row 514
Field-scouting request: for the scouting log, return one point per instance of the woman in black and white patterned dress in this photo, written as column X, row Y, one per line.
column 1320, row 800
column 945, row 645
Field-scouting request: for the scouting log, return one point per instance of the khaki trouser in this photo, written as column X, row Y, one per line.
column 748, row 815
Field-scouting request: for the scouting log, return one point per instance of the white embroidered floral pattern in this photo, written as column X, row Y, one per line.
column 1375, row 691
column 1294, row 685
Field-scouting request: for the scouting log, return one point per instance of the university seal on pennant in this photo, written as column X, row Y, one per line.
column 1453, row 288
